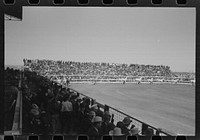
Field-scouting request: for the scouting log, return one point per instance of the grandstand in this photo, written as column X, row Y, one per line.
column 88, row 72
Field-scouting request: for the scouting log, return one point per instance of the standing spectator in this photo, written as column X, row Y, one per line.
column 80, row 118
column 66, row 111
column 54, row 108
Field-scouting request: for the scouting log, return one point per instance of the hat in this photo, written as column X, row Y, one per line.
column 34, row 106
column 107, row 113
column 134, row 131
column 127, row 120
column 97, row 119
column 116, row 132
column 73, row 94
column 94, row 106
column 78, row 98
column 35, row 112
column 91, row 113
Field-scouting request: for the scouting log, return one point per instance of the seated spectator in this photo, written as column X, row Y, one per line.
column 146, row 131
column 87, row 122
column 126, row 122
column 106, row 124
column 134, row 131
column 116, row 132
column 95, row 129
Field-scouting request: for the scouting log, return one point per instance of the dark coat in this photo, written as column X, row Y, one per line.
column 93, row 131
column 106, row 127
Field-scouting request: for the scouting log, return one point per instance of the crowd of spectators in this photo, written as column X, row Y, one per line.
column 89, row 68
column 50, row 108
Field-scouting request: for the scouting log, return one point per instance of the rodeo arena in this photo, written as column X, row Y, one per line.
column 96, row 99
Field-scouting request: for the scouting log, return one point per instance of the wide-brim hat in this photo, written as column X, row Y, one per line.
column 91, row 113
column 134, row 131
column 94, row 106
column 107, row 113
column 127, row 120
column 35, row 112
column 97, row 119
column 34, row 106
column 116, row 132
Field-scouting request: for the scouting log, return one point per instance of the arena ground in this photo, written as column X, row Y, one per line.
column 167, row 106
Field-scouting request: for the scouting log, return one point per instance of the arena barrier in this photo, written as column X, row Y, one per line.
column 90, row 79
column 119, row 116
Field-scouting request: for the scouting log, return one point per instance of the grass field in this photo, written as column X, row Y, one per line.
column 171, row 107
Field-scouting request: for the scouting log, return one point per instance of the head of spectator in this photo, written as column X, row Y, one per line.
column 127, row 121
column 116, row 132
column 94, row 107
column 34, row 106
column 107, row 117
column 35, row 112
column 146, row 130
column 82, row 107
column 66, row 97
column 91, row 115
column 78, row 99
column 120, row 124
column 97, row 122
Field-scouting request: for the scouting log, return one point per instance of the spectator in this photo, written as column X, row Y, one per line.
column 87, row 122
column 95, row 129
column 116, row 132
column 66, row 112
column 106, row 124
column 146, row 130
column 126, row 122
column 134, row 131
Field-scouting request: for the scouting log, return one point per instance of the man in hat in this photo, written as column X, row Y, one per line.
column 88, row 121
column 134, row 131
column 146, row 130
column 95, row 129
column 106, row 124
column 116, row 132
column 126, row 122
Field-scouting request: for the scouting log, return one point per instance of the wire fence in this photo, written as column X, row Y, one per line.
column 119, row 116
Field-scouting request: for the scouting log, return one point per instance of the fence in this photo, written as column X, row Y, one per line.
column 119, row 116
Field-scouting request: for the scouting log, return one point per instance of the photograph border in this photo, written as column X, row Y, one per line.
column 16, row 10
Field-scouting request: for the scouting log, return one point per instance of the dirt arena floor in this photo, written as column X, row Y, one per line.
column 167, row 106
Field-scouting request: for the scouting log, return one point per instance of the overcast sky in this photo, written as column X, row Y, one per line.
column 118, row 35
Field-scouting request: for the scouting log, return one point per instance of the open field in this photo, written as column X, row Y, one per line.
column 167, row 106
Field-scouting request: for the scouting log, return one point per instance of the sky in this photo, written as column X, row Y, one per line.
column 131, row 35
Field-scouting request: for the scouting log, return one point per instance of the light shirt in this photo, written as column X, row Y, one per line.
column 66, row 106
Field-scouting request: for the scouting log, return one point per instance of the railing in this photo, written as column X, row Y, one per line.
column 119, row 116
column 17, row 120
